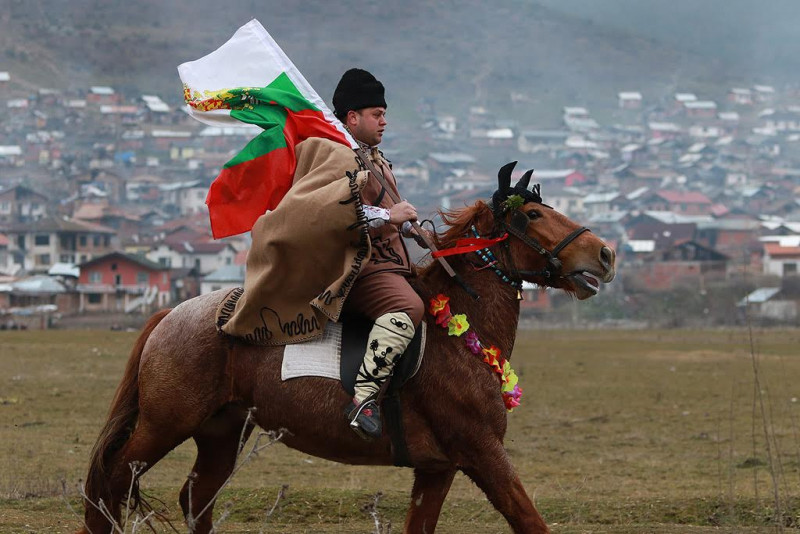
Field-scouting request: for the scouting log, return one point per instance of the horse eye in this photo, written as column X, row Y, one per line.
column 532, row 214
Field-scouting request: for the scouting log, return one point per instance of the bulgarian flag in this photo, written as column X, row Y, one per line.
column 250, row 81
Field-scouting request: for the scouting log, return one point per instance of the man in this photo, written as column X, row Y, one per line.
column 381, row 291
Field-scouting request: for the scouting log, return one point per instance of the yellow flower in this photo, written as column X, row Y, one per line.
column 510, row 378
column 458, row 325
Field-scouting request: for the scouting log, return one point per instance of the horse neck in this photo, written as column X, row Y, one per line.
column 494, row 317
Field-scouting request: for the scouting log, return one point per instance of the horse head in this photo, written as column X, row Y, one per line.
column 542, row 245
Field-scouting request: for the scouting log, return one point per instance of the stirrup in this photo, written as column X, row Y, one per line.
column 365, row 420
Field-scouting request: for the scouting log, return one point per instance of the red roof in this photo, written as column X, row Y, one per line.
column 775, row 249
column 684, row 197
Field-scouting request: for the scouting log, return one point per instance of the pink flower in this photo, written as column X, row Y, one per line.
column 473, row 343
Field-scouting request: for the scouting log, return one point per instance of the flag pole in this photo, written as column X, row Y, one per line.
column 362, row 155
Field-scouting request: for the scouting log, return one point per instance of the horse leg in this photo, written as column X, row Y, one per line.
column 218, row 443
column 148, row 444
column 427, row 496
column 492, row 471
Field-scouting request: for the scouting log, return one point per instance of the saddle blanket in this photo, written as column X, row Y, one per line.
column 318, row 357
column 339, row 351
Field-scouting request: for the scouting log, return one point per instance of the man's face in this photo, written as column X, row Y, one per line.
column 367, row 124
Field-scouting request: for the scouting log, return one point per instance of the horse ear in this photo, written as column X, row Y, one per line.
column 504, row 175
column 525, row 180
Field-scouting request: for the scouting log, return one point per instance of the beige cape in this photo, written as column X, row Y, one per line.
column 306, row 254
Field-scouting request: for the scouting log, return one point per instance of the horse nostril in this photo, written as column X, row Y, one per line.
column 607, row 258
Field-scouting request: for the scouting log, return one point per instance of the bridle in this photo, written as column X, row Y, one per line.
column 517, row 228
column 501, row 204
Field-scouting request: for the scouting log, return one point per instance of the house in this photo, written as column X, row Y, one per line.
column 33, row 301
column 730, row 236
column 567, row 200
column 768, row 303
column 531, row 141
column 597, row 203
column 629, row 100
column 101, row 95
column 39, row 244
column 110, row 183
column 226, row 277
column 663, row 130
column 687, row 263
column 703, row 109
column 119, row 282
column 535, row 300
column 682, row 202
column 184, row 198
column 21, row 204
column 203, row 257
column 782, row 257
column 740, row 96
column 7, row 266
column 442, row 164
column 681, row 99
column 11, row 156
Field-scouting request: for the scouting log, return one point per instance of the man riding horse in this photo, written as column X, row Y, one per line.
column 381, row 292
column 337, row 216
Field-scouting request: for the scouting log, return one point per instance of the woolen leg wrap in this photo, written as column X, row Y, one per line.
column 387, row 340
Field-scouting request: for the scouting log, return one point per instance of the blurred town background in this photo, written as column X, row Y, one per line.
column 671, row 130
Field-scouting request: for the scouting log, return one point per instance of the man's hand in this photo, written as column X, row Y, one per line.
column 402, row 212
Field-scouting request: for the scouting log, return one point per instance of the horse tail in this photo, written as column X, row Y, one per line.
column 122, row 417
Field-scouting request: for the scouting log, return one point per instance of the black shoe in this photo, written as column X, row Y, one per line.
column 365, row 419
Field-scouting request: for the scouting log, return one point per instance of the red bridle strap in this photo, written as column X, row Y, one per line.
column 469, row 244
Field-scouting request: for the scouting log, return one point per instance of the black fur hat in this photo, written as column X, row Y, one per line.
column 358, row 89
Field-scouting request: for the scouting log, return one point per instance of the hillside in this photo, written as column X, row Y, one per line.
column 456, row 53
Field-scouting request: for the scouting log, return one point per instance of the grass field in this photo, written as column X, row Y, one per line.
column 619, row 432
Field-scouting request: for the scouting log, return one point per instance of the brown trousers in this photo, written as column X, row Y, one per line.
column 385, row 292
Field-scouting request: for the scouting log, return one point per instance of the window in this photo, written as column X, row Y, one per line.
column 113, row 266
column 117, row 279
column 142, row 277
column 5, row 207
column 82, row 240
column 228, row 260
column 43, row 259
column 66, row 258
column 94, row 298
column 96, row 241
column 789, row 268
column 165, row 262
column 41, row 240
column 106, row 241
column 95, row 277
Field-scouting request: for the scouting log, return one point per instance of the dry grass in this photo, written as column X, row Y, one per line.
column 620, row 431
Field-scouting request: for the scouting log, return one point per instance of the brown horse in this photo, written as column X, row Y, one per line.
column 184, row 380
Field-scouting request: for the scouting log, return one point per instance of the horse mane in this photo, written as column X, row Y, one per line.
column 460, row 221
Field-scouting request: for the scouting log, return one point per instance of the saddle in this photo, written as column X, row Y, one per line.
column 347, row 342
